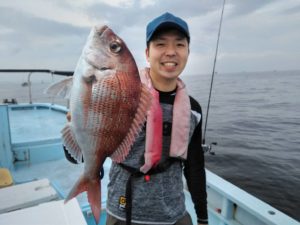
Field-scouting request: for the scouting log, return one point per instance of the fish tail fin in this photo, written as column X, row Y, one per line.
column 80, row 186
column 94, row 198
column 93, row 189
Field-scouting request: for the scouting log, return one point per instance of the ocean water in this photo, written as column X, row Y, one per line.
column 255, row 120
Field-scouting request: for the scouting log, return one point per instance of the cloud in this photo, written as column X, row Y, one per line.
column 34, row 32
column 241, row 8
column 29, row 41
column 24, row 23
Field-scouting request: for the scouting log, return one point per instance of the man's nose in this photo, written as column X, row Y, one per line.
column 170, row 50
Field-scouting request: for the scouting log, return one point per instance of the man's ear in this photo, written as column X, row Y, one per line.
column 147, row 54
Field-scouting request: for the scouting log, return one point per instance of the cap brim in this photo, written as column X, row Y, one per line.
column 168, row 25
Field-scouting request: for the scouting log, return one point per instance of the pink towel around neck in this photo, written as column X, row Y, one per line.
column 180, row 125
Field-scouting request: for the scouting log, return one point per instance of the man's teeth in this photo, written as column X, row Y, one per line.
column 169, row 64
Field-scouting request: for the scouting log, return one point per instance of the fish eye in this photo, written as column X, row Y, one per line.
column 115, row 47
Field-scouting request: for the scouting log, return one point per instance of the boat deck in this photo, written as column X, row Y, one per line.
column 35, row 127
column 35, row 123
column 62, row 175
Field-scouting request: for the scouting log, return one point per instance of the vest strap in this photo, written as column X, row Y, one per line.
column 134, row 172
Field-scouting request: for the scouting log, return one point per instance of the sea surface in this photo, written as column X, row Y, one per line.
column 254, row 118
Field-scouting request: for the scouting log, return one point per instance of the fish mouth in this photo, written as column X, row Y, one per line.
column 104, row 68
column 101, row 29
column 97, row 67
column 105, row 44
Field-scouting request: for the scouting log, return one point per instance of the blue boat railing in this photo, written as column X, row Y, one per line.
column 30, row 72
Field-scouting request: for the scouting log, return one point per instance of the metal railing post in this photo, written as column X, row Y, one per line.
column 29, row 87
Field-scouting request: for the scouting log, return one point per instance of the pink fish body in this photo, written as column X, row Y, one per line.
column 108, row 107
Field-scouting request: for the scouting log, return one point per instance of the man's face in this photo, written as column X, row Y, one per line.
column 167, row 55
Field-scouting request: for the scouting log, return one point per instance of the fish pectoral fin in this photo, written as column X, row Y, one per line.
column 136, row 126
column 61, row 88
column 71, row 144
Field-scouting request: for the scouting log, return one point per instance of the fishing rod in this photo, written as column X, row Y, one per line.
column 56, row 72
column 208, row 148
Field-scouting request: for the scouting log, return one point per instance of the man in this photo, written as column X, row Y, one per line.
column 157, row 197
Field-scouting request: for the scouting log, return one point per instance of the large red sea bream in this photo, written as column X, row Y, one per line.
column 108, row 107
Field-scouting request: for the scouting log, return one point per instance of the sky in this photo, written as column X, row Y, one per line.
column 256, row 35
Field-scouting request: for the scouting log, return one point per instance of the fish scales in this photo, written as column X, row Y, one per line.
column 107, row 116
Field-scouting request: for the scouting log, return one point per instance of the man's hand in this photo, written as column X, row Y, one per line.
column 69, row 116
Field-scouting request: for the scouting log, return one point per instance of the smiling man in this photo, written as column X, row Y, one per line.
column 167, row 53
column 155, row 196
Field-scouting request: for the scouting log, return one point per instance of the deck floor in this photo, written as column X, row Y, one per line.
column 31, row 125
column 62, row 174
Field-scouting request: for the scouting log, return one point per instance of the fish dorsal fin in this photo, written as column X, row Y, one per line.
column 61, row 88
column 137, row 124
column 71, row 144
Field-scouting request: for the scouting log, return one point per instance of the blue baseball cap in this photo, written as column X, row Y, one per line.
column 167, row 20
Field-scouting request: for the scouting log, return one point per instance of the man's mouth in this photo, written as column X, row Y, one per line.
column 169, row 64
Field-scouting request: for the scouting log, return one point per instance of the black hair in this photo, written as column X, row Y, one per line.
column 163, row 30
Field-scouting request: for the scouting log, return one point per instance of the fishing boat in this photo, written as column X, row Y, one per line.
column 35, row 176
